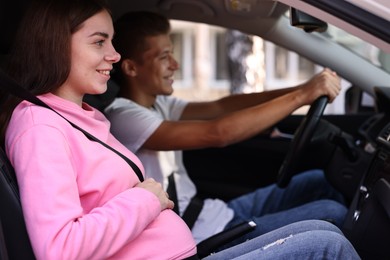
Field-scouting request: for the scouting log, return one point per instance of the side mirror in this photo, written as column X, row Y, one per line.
column 306, row 22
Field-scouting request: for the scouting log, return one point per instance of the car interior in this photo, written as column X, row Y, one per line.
column 352, row 148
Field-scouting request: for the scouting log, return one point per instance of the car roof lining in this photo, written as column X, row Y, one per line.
column 264, row 12
column 211, row 12
column 336, row 17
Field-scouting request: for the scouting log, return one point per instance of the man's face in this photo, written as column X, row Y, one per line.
column 155, row 74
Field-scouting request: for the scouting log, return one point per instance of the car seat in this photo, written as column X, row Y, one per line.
column 13, row 238
column 101, row 101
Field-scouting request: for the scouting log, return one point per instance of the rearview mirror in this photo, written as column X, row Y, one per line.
column 306, row 22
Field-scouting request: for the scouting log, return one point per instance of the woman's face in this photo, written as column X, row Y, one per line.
column 92, row 56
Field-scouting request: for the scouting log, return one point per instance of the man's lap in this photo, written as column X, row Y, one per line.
column 309, row 196
column 312, row 238
column 304, row 188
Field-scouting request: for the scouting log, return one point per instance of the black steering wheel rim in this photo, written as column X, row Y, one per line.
column 301, row 140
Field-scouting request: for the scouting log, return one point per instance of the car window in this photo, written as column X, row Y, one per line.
column 202, row 53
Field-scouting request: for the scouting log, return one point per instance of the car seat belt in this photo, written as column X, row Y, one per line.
column 15, row 89
column 193, row 209
column 171, row 190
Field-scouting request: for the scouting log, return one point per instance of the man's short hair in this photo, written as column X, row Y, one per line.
column 131, row 31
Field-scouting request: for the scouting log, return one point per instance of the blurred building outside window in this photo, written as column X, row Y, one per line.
column 202, row 52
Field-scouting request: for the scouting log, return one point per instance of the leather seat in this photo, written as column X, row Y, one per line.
column 14, row 240
column 13, row 234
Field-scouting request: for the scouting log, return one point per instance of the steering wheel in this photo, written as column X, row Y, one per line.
column 300, row 141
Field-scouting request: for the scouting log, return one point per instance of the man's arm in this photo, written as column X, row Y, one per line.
column 213, row 109
column 220, row 107
column 241, row 124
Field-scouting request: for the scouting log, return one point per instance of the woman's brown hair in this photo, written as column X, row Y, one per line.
column 40, row 58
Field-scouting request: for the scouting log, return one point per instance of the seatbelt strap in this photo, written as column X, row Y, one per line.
column 193, row 209
column 172, row 193
column 15, row 89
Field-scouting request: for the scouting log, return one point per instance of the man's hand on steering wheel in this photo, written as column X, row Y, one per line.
column 321, row 89
column 326, row 83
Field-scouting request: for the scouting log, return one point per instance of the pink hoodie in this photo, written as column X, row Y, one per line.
column 78, row 197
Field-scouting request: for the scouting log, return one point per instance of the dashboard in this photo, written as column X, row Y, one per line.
column 368, row 221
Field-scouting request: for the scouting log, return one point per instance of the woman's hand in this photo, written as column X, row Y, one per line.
column 157, row 189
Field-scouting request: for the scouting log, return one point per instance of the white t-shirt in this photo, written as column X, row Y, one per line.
column 133, row 124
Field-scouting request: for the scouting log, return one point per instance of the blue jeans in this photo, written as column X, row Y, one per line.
column 308, row 196
column 310, row 239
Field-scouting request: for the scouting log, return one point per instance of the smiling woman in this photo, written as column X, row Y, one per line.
column 95, row 207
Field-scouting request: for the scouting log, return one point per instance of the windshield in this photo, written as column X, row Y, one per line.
column 362, row 48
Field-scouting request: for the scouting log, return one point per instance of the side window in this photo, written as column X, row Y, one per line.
column 182, row 37
column 286, row 68
column 178, row 46
column 220, row 64
column 201, row 51
column 219, row 76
